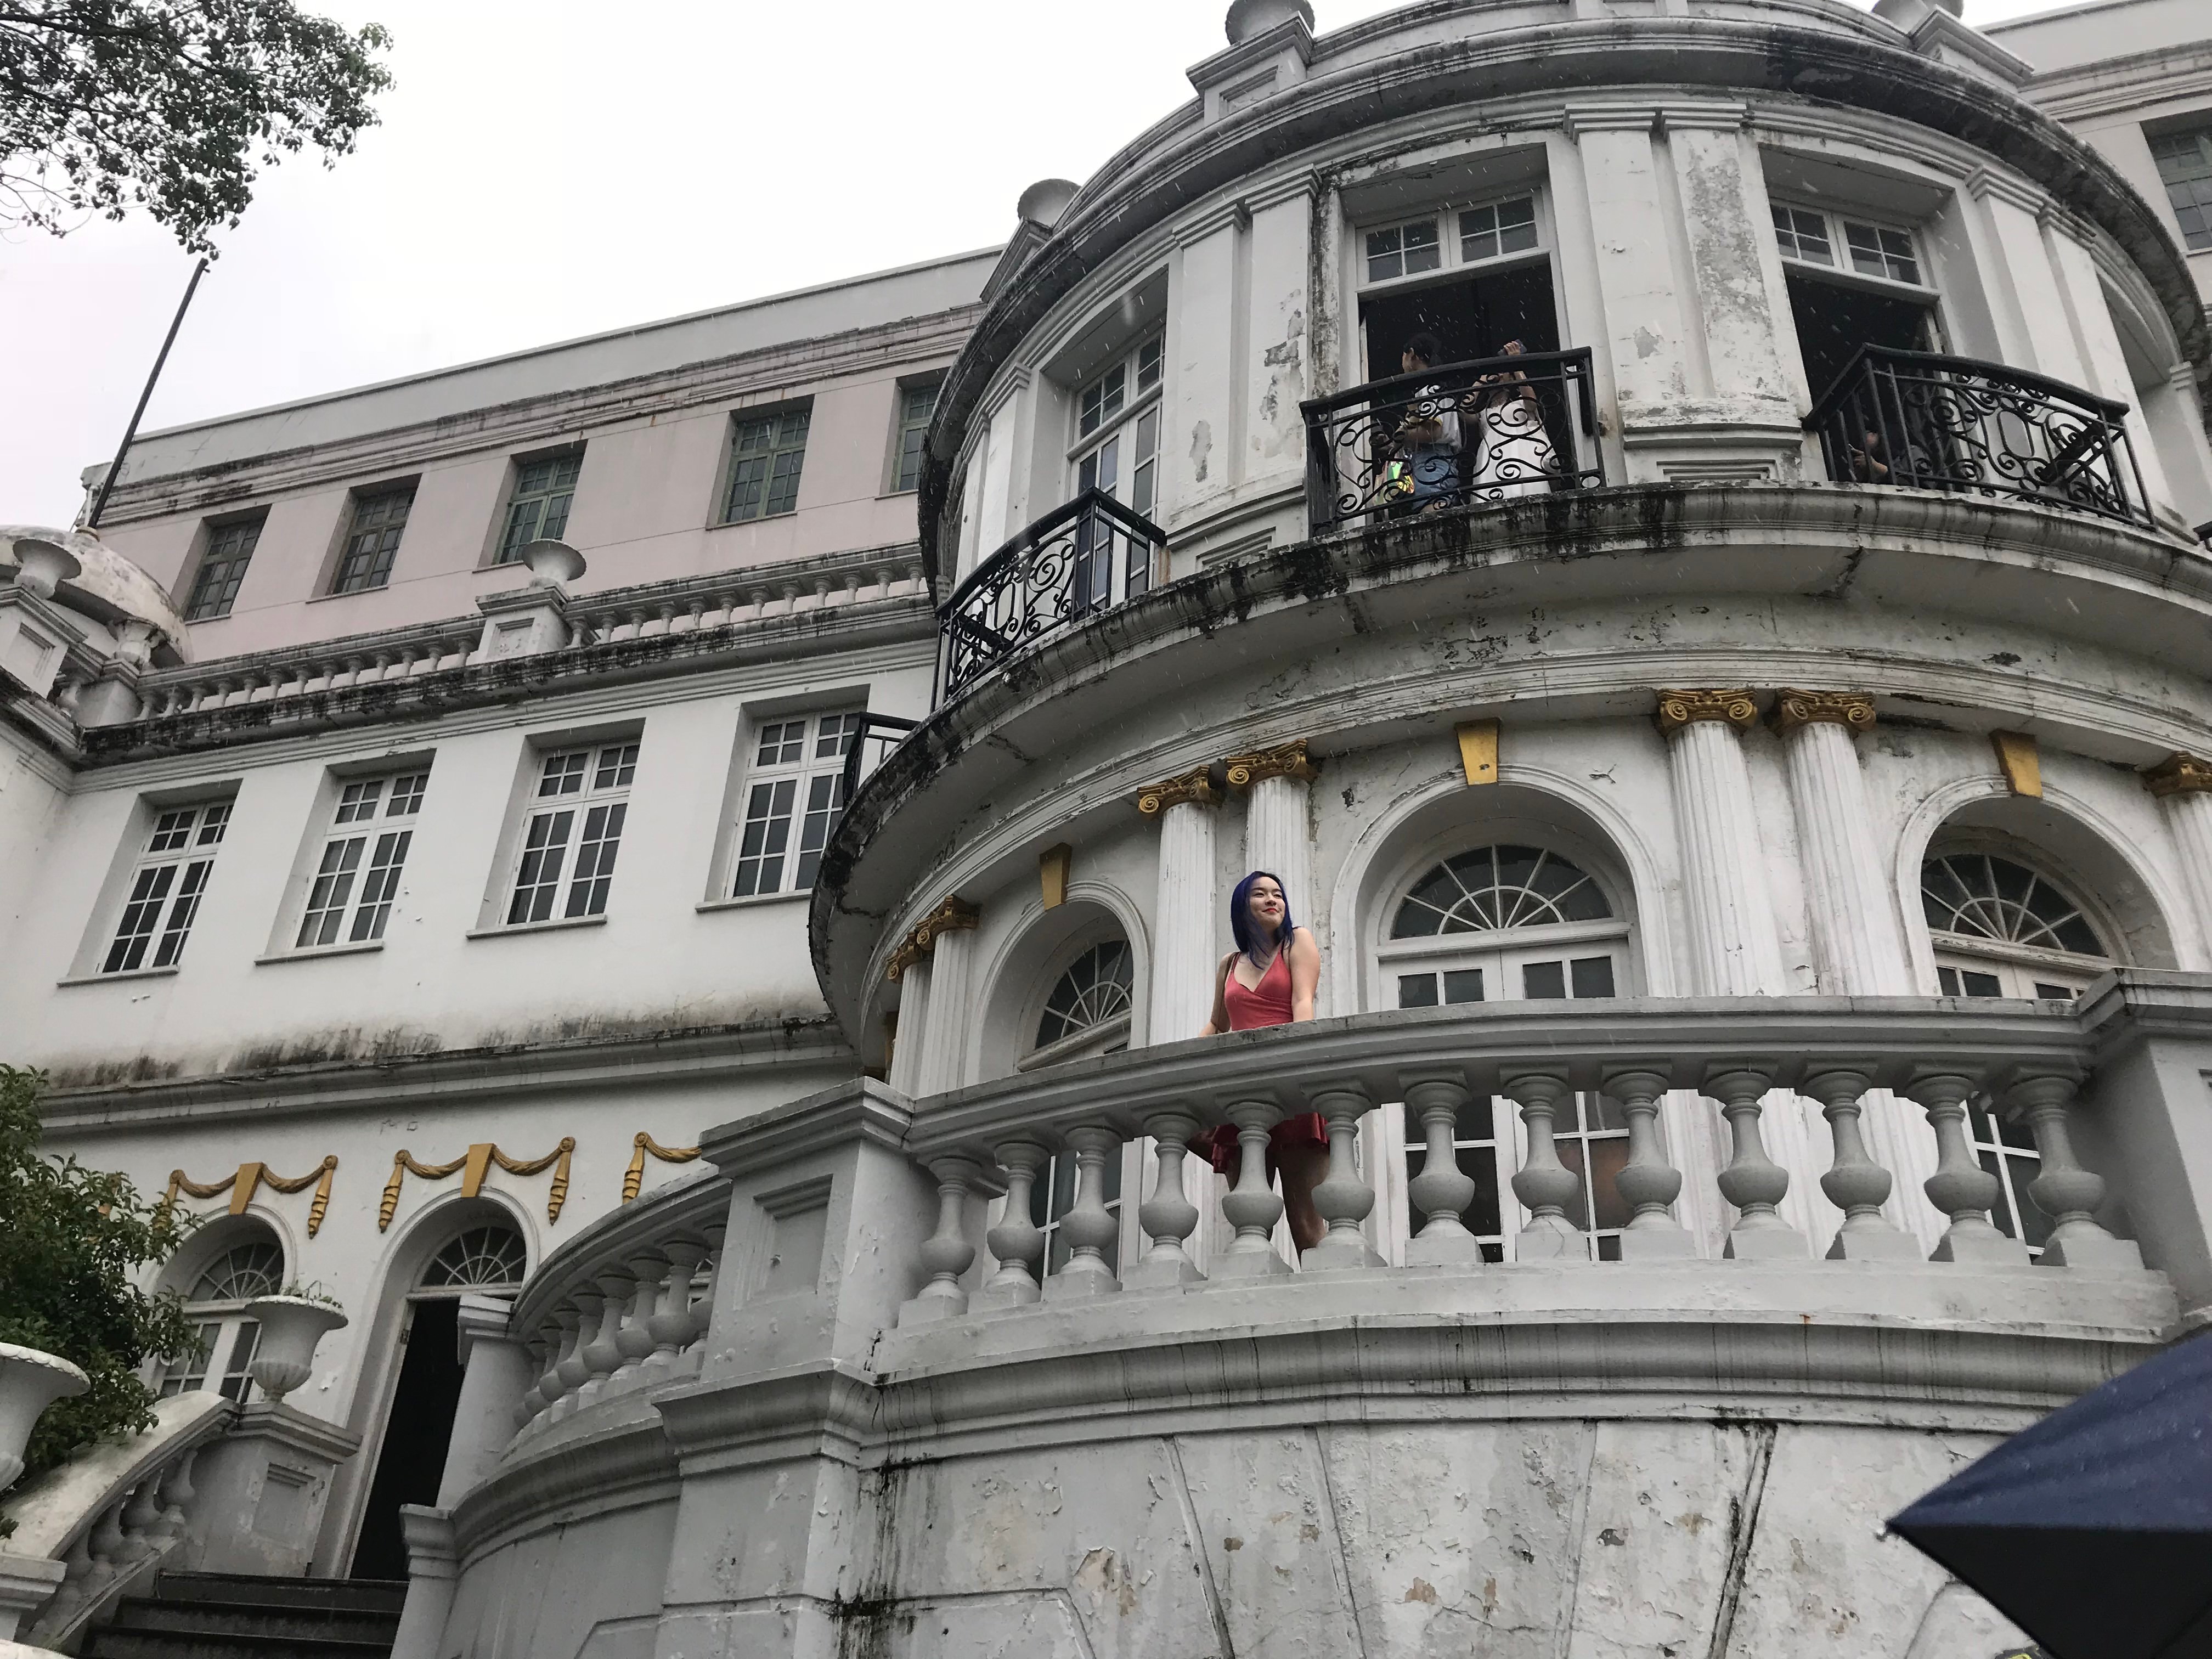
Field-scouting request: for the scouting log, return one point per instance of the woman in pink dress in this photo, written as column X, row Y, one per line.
column 1269, row 980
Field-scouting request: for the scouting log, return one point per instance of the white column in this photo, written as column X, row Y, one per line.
column 950, row 941
column 1277, row 837
column 1185, row 911
column 2182, row 784
column 1735, row 948
column 912, row 1021
column 496, row 1369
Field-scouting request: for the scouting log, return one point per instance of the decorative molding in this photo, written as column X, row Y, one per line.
column 478, row 1161
column 1196, row 788
column 1478, row 750
column 2017, row 758
column 1288, row 761
column 634, row 1177
column 2178, row 774
column 1852, row 710
column 242, row 1185
column 1679, row 709
column 953, row 915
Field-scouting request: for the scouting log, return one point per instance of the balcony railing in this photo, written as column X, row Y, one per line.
column 1456, row 435
column 1924, row 422
column 878, row 735
column 1086, row 556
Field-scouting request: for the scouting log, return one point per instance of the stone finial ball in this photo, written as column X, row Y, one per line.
column 1247, row 18
column 1044, row 202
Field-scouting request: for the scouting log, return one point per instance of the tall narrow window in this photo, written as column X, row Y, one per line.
column 230, row 546
column 575, row 830
column 225, row 1338
column 793, row 794
column 539, row 511
column 766, row 455
column 1118, row 424
column 350, row 900
column 917, row 404
column 2184, row 167
column 372, row 539
column 166, row 888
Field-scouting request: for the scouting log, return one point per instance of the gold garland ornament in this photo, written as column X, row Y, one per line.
column 478, row 1161
column 634, row 1176
column 250, row 1177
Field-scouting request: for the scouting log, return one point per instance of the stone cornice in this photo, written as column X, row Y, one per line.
column 1286, row 761
column 1851, row 710
column 1195, row 787
column 2179, row 775
column 1678, row 709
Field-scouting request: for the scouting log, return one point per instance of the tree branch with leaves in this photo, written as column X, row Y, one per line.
column 172, row 105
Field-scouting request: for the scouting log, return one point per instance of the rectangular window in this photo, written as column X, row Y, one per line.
column 1403, row 250
column 1811, row 237
column 917, row 404
column 229, row 548
column 350, row 900
column 794, row 792
column 1802, row 235
column 372, row 539
column 1878, row 250
column 1491, row 233
column 2184, row 167
column 539, row 511
column 766, row 455
column 575, row 830
column 166, row 888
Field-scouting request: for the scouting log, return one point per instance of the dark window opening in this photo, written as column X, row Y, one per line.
column 1835, row 319
column 411, row 1459
column 1471, row 319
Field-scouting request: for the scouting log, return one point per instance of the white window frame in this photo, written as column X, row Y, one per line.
column 228, row 1338
column 792, row 793
column 1450, row 222
column 1842, row 265
column 354, row 877
column 596, row 809
column 167, row 885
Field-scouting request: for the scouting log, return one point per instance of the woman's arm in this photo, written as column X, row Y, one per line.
column 1217, row 1021
column 1306, row 973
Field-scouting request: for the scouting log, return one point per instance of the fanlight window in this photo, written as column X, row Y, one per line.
column 1978, row 895
column 1095, row 988
column 241, row 1273
column 1494, row 888
column 483, row 1258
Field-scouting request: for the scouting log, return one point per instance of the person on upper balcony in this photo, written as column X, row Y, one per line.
column 1427, row 439
column 1513, row 452
column 1269, row 979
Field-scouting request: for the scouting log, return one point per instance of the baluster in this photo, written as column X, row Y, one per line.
column 574, row 1369
column 945, row 1253
column 141, row 1512
column 883, row 576
column 2065, row 1191
column 1752, row 1182
column 1089, row 1228
column 554, row 1384
column 1441, row 1192
column 176, row 1497
column 1855, row 1183
column 1017, row 1242
column 670, row 1325
column 107, row 1545
column 702, row 1310
column 1252, row 1206
column 1960, row 1188
column 77, row 1569
column 532, row 1399
column 1650, row 1183
column 1543, row 1184
column 1168, row 1217
column 602, row 1354
column 634, row 1340
column 1343, row 1199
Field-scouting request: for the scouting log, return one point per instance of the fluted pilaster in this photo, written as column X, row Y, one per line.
column 1733, row 946
column 2182, row 784
column 1277, row 837
column 1185, row 907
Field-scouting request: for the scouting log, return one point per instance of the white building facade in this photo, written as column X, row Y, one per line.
column 1670, row 527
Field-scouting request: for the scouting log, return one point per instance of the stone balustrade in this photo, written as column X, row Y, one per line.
column 621, row 1307
column 114, row 1514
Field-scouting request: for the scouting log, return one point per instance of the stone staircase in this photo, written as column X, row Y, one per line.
column 219, row 1615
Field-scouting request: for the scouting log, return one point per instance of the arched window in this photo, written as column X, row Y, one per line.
column 480, row 1259
column 1511, row 921
column 216, row 1306
column 2000, row 929
column 1094, row 990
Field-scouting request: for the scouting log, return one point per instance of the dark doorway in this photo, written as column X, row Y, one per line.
column 412, row 1458
column 1471, row 319
column 1834, row 319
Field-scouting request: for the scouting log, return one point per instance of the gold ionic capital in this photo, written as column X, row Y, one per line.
column 1288, row 761
column 953, row 915
column 1680, row 709
column 2178, row 774
column 1852, row 710
column 1196, row 787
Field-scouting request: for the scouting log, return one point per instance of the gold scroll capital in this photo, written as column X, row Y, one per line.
column 1679, row 710
column 1852, row 710
column 1196, row 788
column 1289, row 760
column 2178, row 774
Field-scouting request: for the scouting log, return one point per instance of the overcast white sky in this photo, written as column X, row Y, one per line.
column 547, row 169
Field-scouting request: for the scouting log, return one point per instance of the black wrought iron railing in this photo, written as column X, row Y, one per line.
column 1456, row 435
column 878, row 735
column 1086, row 556
column 1920, row 421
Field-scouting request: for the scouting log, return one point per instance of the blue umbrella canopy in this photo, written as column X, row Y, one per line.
column 2093, row 1530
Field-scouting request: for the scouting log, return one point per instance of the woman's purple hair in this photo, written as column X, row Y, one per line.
column 1239, row 912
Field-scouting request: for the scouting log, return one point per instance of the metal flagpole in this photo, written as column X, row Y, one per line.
column 100, row 502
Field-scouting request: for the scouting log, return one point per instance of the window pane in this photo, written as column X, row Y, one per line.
column 230, row 547
column 2185, row 167
column 1417, row 990
column 1423, row 252
column 383, row 882
column 595, row 859
column 1543, row 980
column 1463, row 985
column 327, row 895
column 183, row 910
column 1593, row 975
column 1385, row 257
column 372, row 540
column 537, row 879
column 770, row 453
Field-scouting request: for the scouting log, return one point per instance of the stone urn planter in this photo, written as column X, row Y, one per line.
column 29, row 1382
column 551, row 563
column 291, row 1325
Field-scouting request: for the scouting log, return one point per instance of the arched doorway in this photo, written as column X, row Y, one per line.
column 411, row 1457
